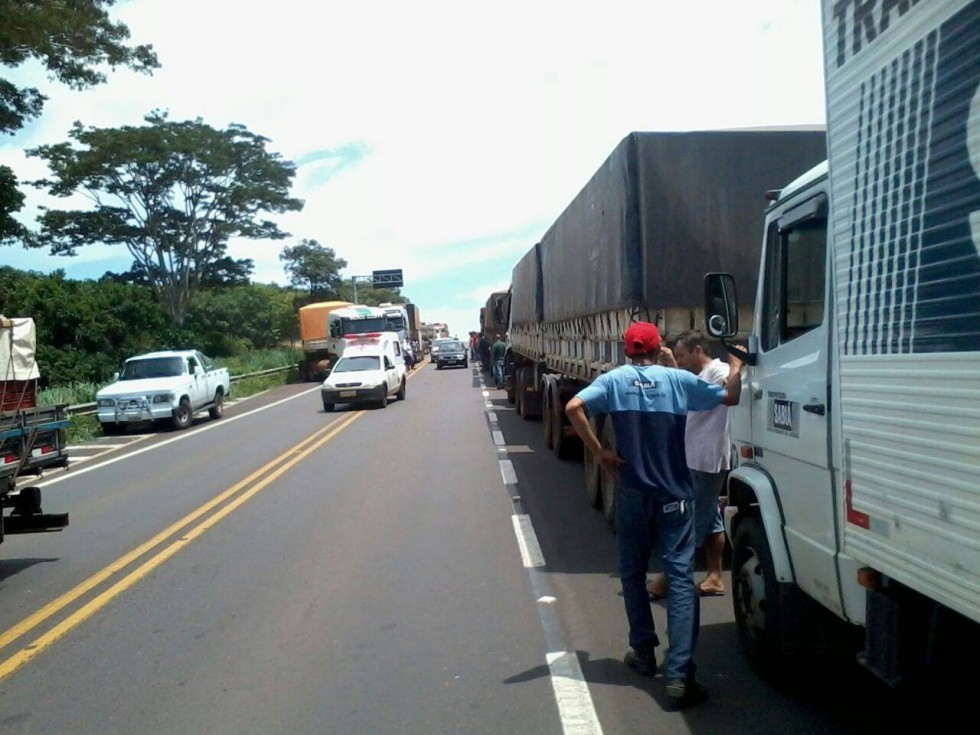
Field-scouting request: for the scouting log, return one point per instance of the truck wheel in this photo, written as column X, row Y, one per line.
column 112, row 429
column 565, row 446
column 755, row 597
column 218, row 409
column 519, row 392
column 608, row 480
column 383, row 402
column 327, row 407
column 593, row 492
column 400, row 395
column 183, row 415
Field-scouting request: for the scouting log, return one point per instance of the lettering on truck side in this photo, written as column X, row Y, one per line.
column 864, row 21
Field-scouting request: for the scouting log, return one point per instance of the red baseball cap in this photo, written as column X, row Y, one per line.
column 641, row 338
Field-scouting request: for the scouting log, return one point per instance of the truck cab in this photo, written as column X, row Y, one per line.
column 370, row 370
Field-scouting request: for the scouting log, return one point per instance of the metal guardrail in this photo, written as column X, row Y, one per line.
column 85, row 409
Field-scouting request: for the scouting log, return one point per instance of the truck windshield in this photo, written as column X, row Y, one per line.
column 357, row 364
column 155, row 367
column 364, row 326
column 395, row 323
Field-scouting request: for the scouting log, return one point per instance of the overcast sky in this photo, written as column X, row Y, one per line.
column 442, row 138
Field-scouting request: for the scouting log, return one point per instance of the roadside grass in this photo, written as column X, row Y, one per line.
column 84, row 428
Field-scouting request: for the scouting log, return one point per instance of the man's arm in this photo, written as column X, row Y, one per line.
column 575, row 410
column 733, row 385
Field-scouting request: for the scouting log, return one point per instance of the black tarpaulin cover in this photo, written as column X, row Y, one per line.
column 664, row 209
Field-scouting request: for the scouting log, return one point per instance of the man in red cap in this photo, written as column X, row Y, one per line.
column 648, row 406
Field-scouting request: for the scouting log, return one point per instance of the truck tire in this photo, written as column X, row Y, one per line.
column 608, row 480
column 755, row 598
column 565, row 445
column 183, row 416
column 327, row 407
column 519, row 392
column 112, row 429
column 400, row 395
column 383, row 401
column 592, row 474
column 217, row 409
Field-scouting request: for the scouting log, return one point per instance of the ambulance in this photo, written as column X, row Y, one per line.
column 371, row 370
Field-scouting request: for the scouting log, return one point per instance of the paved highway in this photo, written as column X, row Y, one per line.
column 426, row 568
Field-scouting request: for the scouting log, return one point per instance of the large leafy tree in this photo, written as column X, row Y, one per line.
column 75, row 41
column 173, row 193
column 313, row 267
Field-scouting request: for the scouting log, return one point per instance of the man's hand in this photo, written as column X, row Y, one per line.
column 609, row 459
column 666, row 357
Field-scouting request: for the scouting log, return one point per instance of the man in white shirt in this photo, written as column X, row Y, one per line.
column 707, row 443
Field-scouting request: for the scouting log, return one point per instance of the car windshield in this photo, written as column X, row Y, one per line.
column 364, row 326
column 451, row 347
column 357, row 364
column 154, row 367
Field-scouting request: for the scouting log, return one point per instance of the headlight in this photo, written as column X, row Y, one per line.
column 164, row 398
column 106, row 403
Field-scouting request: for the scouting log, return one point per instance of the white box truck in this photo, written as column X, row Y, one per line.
column 857, row 490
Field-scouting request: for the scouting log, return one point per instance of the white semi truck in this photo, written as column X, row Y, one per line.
column 857, row 489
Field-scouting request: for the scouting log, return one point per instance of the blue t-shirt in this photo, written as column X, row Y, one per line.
column 648, row 405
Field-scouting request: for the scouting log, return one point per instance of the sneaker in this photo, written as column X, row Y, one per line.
column 642, row 660
column 683, row 693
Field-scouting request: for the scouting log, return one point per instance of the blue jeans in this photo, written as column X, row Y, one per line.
column 645, row 524
column 498, row 373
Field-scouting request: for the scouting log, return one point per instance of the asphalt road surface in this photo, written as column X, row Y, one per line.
column 426, row 568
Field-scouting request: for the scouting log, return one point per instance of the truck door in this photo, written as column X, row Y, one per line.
column 789, row 388
column 198, row 381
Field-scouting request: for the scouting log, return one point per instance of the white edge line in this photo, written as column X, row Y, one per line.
column 575, row 708
column 507, row 472
column 207, row 427
column 498, row 438
column 527, row 540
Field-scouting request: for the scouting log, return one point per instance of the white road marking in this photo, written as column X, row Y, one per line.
column 498, row 438
column 507, row 472
column 527, row 540
column 207, row 427
column 73, row 459
column 547, row 600
column 492, row 416
column 575, row 707
column 486, row 393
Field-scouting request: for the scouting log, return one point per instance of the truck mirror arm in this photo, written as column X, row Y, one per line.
column 746, row 356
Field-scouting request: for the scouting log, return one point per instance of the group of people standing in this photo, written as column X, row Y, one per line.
column 490, row 355
column 672, row 455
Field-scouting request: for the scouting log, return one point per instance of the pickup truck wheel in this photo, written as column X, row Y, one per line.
column 400, row 395
column 327, row 407
column 218, row 409
column 608, row 480
column 755, row 597
column 383, row 402
column 183, row 415
column 112, row 429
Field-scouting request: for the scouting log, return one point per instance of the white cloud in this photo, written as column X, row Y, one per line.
column 477, row 123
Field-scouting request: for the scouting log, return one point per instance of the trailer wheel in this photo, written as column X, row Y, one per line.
column 592, row 476
column 519, row 391
column 183, row 414
column 608, row 479
column 565, row 445
column 755, row 597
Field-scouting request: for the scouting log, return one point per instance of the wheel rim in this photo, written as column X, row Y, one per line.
column 750, row 594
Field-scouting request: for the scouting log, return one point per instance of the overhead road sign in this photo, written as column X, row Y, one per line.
column 387, row 279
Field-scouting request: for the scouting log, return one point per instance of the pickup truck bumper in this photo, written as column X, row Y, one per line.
column 134, row 411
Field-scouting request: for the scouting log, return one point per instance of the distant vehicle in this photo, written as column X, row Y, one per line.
column 434, row 347
column 451, row 353
column 317, row 354
column 169, row 386
column 371, row 370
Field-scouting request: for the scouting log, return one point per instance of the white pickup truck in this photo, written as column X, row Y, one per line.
column 163, row 387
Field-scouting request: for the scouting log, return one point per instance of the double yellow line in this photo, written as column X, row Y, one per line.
column 256, row 482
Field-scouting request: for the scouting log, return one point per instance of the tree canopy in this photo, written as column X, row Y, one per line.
column 73, row 39
column 173, row 193
column 313, row 267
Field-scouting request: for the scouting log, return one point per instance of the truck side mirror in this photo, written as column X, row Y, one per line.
column 115, row 376
column 720, row 305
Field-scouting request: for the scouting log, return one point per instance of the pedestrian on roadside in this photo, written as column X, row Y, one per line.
column 497, row 354
column 648, row 405
column 484, row 349
column 707, row 445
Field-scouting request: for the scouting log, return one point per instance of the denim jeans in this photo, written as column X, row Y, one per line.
column 498, row 373
column 645, row 524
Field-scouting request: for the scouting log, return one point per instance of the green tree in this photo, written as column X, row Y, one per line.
column 172, row 193
column 313, row 267
column 74, row 40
